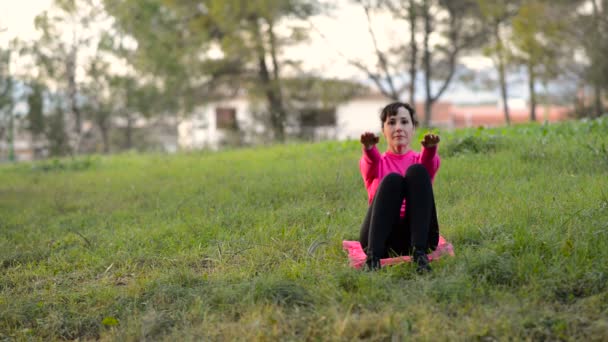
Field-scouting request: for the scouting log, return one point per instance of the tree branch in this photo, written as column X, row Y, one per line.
column 357, row 64
column 454, row 29
column 448, row 79
column 381, row 57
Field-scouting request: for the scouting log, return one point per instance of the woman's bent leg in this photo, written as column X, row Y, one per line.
column 384, row 214
column 364, row 232
column 419, row 205
column 420, row 214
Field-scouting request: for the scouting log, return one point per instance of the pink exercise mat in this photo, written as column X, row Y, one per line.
column 357, row 256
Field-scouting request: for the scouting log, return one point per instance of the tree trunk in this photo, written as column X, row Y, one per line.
column 598, row 99
column 531, row 81
column 56, row 135
column 428, row 109
column 105, row 139
column 73, row 93
column 11, row 136
column 9, row 105
column 414, row 52
column 427, row 65
column 276, row 86
column 276, row 110
column 597, row 88
column 502, row 74
column 129, row 132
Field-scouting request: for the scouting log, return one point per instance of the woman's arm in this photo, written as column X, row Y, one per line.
column 429, row 157
column 370, row 159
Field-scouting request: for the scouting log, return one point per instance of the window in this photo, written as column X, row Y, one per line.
column 225, row 118
column 315, row 117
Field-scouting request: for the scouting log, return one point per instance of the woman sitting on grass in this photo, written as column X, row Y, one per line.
column 392, row 179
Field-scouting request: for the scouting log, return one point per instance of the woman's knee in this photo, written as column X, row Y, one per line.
column 392, row 179
column 390, row 183
column 417, row 171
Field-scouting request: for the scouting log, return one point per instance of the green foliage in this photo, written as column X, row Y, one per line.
column 71, row 164
column 35, row 114
column 283, row 293
column 540, row 44
column 109, row 321
column 492, row 268
column 319, row 92
column 479, row 142
column 56, row 133
column 246, row 244
column 214, row 49
column 593, row 27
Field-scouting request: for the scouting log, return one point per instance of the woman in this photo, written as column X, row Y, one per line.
column 401, row 218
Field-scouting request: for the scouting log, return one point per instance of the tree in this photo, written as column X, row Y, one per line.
column 387, row 74
column 56, row 131
column 496, row 15
column 56, row 59
column 216, row 47
column 130, row 99
column 99, row 103
column 391, row 63
column 461, row 32
column 538, row 42
column 35, row 115
column 101, row 93
column 7, row 119
column 35, row 119
column 452, row 25
column 595, row 43
column 164, row 46
column 412, row 17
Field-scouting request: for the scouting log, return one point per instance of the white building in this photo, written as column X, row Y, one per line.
column 214, row 125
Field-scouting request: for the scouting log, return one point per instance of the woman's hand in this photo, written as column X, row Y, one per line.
column 369, row 140
column 430, row 140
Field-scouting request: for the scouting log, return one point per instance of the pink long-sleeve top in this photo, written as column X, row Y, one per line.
column 374, row 166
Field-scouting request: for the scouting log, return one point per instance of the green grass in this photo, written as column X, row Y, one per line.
column 246, row 244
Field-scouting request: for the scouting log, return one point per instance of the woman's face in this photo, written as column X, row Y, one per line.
column 398, row 131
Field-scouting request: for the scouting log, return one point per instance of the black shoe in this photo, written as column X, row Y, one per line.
column 422, row 262
column 372, row 263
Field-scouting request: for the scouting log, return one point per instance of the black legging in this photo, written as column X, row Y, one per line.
column 383, row 229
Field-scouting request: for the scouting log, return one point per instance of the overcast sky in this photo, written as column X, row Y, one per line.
column 17, row 17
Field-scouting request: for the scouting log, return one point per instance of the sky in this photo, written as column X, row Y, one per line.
column 344, row 36
column 17, row 18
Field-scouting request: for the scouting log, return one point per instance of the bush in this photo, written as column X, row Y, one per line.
column 477, row 143
column 72, row 164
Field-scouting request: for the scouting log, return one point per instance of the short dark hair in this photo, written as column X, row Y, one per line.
column 392, row 108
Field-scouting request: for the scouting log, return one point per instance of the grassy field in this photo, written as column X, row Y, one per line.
column 246, row 244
